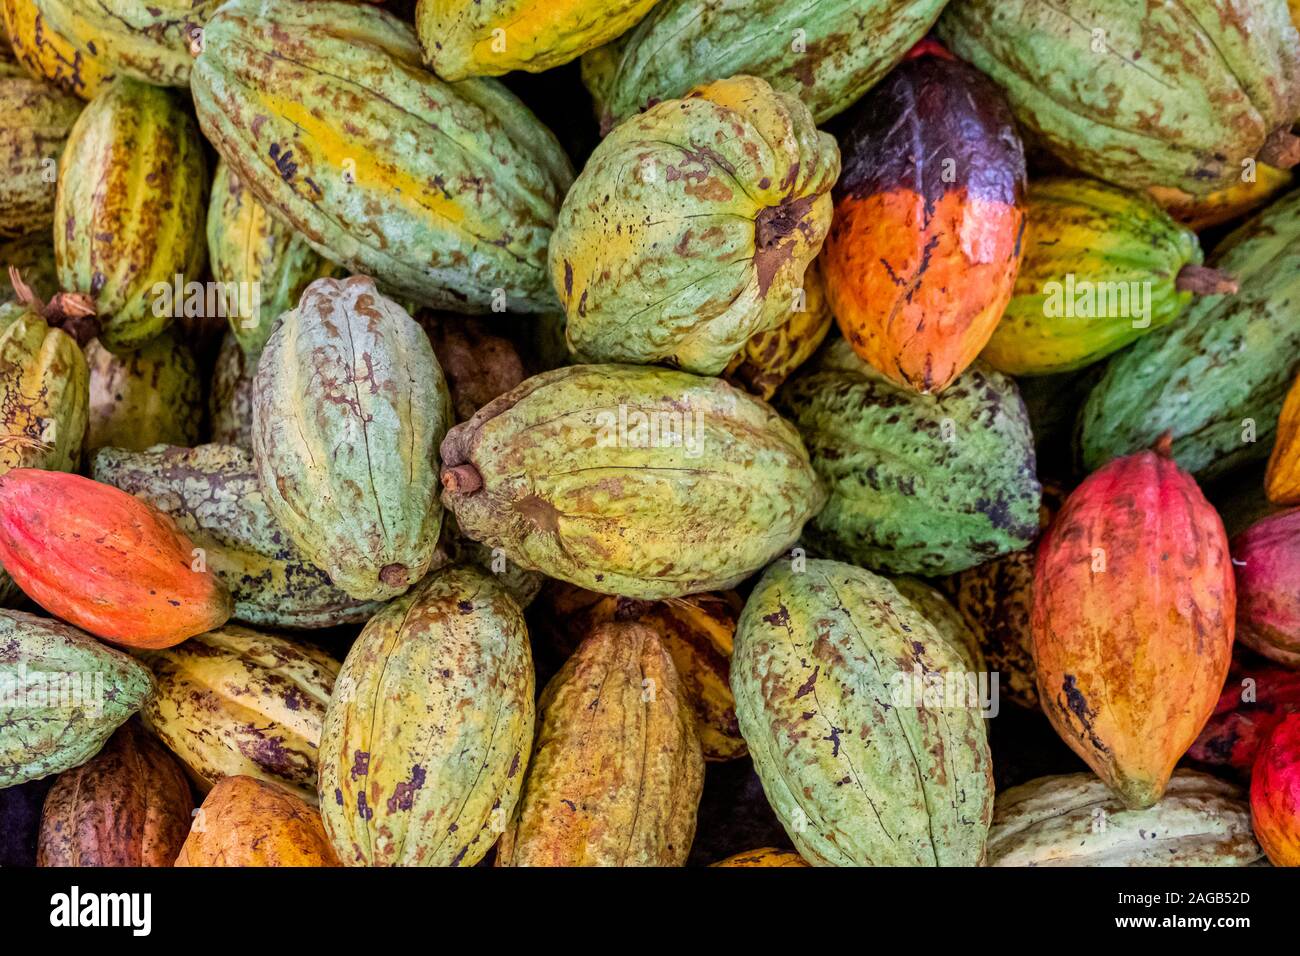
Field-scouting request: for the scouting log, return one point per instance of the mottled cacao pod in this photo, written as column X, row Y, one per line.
column 44, row 396
column 151, row 396
column 249, row 822
column 230, row 396
column 948, row 623
column 770, row 357
column 38, row 117
column 1224, row 205
column 767, row 856
column 48, row 54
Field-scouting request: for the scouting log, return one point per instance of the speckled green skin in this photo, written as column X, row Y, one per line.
column 448, row 192
column 847, row 45
column 568, row 492
column 37, row 740
column 855, row 779
column 212, row 493
column 349, row 405
column 1229, row 359
column 428, row 733
column 38, row 117
column 1178, row 95
column 902, row 498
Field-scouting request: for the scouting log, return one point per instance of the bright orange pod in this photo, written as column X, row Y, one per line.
column 1282, row 480
column 105, row 561
column 1134, row 611
column 925, row 243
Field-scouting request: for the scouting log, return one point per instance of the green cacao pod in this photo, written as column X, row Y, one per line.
column 151, row 396
column 1106, row 84
column 129, row 211
column 212, row 494
column 62, row 693
column 48, row 55
column 38, row 118
column 230, row 396
column 349, row 406
column 828, row 53
column 617, row 773
column 426, row 740
column 630, row 480
column 861, row 770
column 263, row 264
column 33, row 257
column 748, row 176
column 948, row 622
column 1217, row 378
column 1074, row 820
column 924, row 484
column 448, row 192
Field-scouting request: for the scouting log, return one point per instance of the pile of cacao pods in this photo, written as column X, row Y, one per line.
column 748, row 433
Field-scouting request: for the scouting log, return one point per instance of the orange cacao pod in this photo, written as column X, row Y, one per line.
column 767, row 856
column 1282, row 481
column 248, row 822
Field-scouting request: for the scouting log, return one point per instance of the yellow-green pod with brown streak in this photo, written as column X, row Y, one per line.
column 427, row 737
column 770, row 357
column 49, row 55
column 151, row 396
column 617, row 771
column 947, row 620
column 37, row 119
column 130, row 207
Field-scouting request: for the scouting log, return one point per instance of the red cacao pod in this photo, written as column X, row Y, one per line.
column 1255, row 698
column 1266, row 557
column 1275, row 793
column 130, row 805
column 105, row 561
column 1133, row 621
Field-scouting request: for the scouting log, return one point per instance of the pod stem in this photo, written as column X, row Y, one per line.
column 1203, row 280
column 1281, row 149
column 1164, row 446
column 73, row 312
column 462, row 479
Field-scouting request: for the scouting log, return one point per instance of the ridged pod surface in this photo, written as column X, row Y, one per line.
column 828, row 53
column 858, row 769
column 626, row 480
column 326, row 113
column 250, row 249
column 463, row 38
column 1256, row 696
column 996, row 598
column 770, row 357
column 767, row 856
column 47, row 54
column 349, row 405
column 616, row 773
column 65, row 693
column 249, row 822
column 1133, row 621
column 104, row 561
column 129, row 212
column 230, row 395
column 690, row 227
column 151, row 396
column 1282, row 480
column 234, row 701
column 1074, row 820
column 44, row 396
column 929, row 214
column 38, row 118
column 212, row 494
column 1102, row 267
column 1140, row 93
column 947, row 622
column 919, row 484
column 1266, row 559
column 427, row 739
column 129, row 805
column 1275, row 793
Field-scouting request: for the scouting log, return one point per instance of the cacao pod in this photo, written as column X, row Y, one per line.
column 1266, row 558
column 230, row 398
column 1217, row 377
column 249, row 822
column 262, row 264
column 1133, row 621
column 642, row 482
column 1102, row 267
column 237, row 702
column 44, row 396
column 922, row 255
column 616, row 773
column 104, row 561
column 212, row 494
column 843, row 48
column 861, row 770
column 748, row 177
column 1275, row 793
column 1224, row 205
column 767, row 856
column 33, row 257
column 129, row 805
column 64, row 694
column 1072, row 820
column 1156, row 123
column 38, row 117
column 20, row 821
column 426, row 741
column 449, row 192
column 47, row 54
column 1282, row 480
column 925, row 484
column 463, row 38
column 478, row 363
column 1254, row 699
column 454, row 547
column 152, row 396
column 945, row 619
column 349, row 406
column 129, row 210
column 770, row 357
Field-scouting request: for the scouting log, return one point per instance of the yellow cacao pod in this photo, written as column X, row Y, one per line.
column 1282, row 480
column 37, row 120
column 248, row 822
column 48, row 54
column 767, row 856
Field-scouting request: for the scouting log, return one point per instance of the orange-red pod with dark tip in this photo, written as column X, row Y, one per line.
column 1134, row 609
column 929, row 210
column 1275, row 793
column 105, row 561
